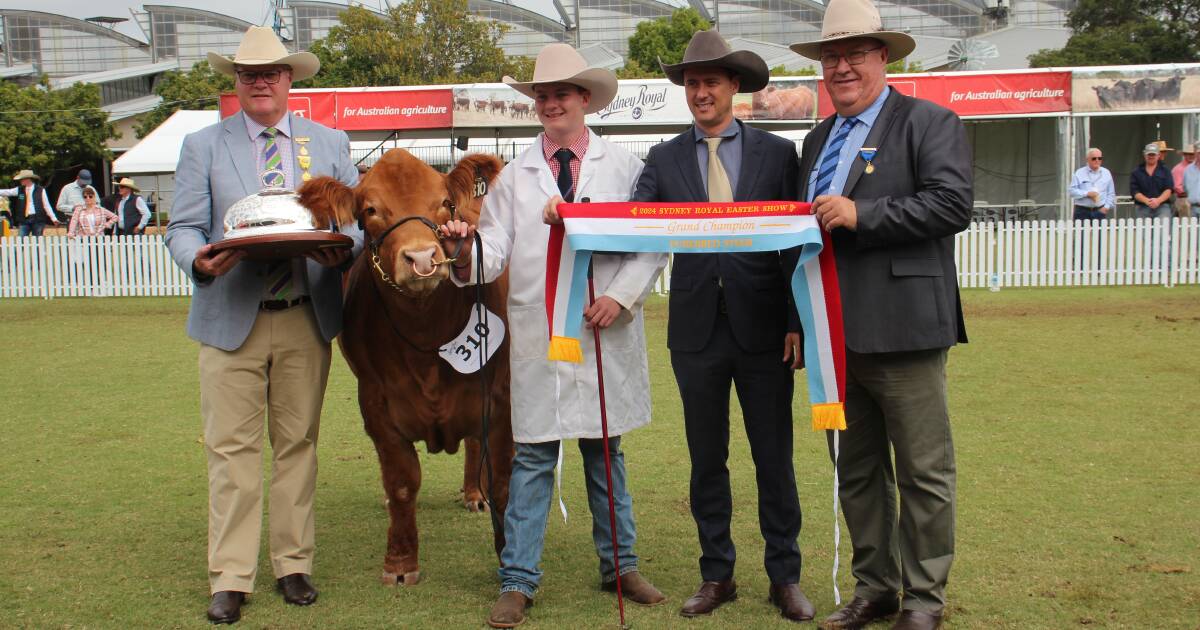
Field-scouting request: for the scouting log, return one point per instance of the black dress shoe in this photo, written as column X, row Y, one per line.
column 226, row 606
column 297, row 589
column 709, row 597
column 860, row 612
column 917, row 620
column 791, row 602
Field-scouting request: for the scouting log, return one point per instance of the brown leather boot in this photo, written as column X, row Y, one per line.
column 791, row 602
column 636, row 589
column 860, row 612
column 509, row 610
column 709, row 597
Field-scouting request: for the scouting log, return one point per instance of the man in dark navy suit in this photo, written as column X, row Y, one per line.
column 729, row 315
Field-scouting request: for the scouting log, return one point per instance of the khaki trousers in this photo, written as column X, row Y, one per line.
column 279, row 374
column 896, row 403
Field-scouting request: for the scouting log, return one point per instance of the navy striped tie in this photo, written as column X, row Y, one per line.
column 829, row 161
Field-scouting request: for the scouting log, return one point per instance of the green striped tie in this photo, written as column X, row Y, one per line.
column 273, row 160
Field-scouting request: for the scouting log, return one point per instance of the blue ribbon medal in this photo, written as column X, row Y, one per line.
column 867, row 154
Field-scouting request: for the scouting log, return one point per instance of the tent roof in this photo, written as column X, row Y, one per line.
column 158, row 152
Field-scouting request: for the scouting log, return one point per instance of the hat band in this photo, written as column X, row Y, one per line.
column 852, row 34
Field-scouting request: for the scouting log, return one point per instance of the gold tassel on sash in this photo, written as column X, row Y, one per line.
column 564, row 349
column 827, row 416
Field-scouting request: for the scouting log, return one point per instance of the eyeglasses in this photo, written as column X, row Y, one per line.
column 88, row 196
column 854, row 57
column 1096, row 157
column 270, row 77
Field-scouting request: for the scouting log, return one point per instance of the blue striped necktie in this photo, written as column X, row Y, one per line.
column 829, row 161
column 271, row 158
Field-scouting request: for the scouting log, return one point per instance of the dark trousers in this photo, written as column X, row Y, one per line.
column 1083, row 213
column 764, row 388
column 896, row 404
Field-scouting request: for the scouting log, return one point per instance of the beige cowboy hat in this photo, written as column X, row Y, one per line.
column 260, row 47
column 128, row 183
column 709, row 49
column 847, row 19
column 560, row 63
column 26, row 174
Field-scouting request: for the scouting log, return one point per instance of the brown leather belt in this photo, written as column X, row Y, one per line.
column 282, row 305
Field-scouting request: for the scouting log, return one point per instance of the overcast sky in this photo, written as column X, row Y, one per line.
column 253, row 11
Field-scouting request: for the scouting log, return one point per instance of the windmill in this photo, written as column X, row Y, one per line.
column 971, row 54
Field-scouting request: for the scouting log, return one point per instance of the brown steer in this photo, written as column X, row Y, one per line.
column 400, row 308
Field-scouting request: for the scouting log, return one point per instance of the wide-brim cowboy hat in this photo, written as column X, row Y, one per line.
column 707, row 49
column 560, row 63
column 128, row 183
column 26, row 174
column 260, row 47
column 847, row 19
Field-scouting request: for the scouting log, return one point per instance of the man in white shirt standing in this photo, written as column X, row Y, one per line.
column 1092, row 190
column 132, row 212
column 31, row 210
column 71, row 195
column 1191, row 185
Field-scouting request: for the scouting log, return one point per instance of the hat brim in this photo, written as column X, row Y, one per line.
column 23, row 175
column 304, row 64
column 134, row 187
column 899, row 45
column 753, row 74
column 602, row 84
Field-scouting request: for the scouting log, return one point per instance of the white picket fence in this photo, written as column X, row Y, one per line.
column 997, row 254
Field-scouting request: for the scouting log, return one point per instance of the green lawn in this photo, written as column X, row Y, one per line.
column 1076, row 419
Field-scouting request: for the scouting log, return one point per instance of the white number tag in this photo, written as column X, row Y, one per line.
column 463, row 352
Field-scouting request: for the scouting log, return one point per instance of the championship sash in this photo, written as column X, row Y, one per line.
column 692, row 228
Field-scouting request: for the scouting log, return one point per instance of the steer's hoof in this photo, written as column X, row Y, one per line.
column 396, row 579
column 475, row 504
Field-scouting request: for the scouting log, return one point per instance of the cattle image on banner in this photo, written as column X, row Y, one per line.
column 417, row 343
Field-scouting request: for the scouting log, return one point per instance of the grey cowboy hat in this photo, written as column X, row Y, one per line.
column 261, row 47
column 847, row 19
column 560, row 63
column 708, row 49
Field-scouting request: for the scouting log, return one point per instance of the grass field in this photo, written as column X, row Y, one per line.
column 1076, row 418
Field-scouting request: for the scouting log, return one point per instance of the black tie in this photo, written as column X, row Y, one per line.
column 565, row 184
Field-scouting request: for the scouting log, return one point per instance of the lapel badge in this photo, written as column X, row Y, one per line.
column 303, row 158
column 867, row 154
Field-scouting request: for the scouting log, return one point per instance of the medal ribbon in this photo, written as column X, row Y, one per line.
column 709, row 228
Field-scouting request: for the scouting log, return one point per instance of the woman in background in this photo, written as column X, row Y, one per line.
column 90, row 219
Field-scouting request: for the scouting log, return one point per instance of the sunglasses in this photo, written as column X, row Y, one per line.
column 1096, row 158
column 89, row 196
column 270, row 77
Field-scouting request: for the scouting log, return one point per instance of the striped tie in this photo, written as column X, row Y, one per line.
column 271, row 158
column 279, row 279
column 829, row 161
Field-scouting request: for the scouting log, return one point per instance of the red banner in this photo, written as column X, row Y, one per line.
column 982, row 94
column 401, row 109
column 365, row 111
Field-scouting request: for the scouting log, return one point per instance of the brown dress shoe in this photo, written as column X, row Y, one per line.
column 297, row 589
column 791, row 602
column 509, row 610
column 226, row 606
column 636, row 589
column 860, row 612
column 709, row 597
column 917, row 620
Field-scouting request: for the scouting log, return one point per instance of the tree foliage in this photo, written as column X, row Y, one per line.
column 198, row 88
column 46, row 130
column 666, row 38
column 1116, row 32
column 416, row 42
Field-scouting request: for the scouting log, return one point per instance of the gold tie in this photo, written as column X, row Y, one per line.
column 718, row 179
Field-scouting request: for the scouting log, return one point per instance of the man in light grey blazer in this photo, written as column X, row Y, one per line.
column 890, row 178
column 264, row 327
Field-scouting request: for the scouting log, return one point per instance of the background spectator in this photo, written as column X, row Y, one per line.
column 132, row 212
column 1191, row 185
column 71, row 195
column 89, row 218
column 1150, row 185
column 32, row 210
column 1092, row 189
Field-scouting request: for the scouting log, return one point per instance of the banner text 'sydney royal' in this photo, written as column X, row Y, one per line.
column 758, row 226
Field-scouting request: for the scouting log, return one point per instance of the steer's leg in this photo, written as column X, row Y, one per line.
column 401, row 482
column 500, row 452
column 472, row 495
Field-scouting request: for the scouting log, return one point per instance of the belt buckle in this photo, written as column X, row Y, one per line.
column 274, row 305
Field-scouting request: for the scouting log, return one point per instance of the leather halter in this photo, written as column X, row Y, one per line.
column 378, row 241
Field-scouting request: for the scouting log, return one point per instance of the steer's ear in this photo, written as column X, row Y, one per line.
column 471, row 178
column 329, row 201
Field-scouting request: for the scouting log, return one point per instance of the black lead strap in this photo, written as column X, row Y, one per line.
column 485, row 450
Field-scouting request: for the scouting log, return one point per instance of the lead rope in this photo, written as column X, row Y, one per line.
column 485, row 451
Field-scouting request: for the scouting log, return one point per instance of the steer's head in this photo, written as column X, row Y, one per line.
column 399, row 203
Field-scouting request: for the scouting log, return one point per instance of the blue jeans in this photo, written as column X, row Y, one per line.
column 29, row 228
column 529, row 494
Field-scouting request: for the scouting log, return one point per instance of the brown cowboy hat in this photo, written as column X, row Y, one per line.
column 560, row 63
column 260, row 47
column 129, row 183
column 26, row 174
column 847, row 19
column 709, row 49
